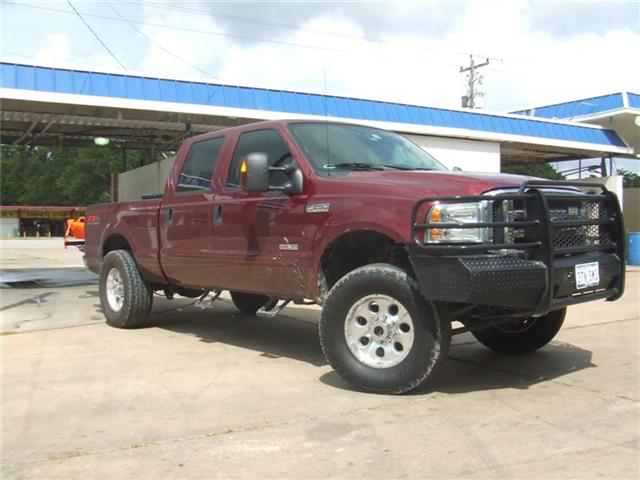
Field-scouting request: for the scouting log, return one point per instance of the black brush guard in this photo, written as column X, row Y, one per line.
column 534, row 273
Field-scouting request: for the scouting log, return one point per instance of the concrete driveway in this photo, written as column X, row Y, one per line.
column 215, row 394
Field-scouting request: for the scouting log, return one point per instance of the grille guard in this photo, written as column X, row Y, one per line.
column 543, row 235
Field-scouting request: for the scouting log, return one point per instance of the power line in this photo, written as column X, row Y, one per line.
column 288, row 26
column 131, row 23
column 95, row 34
column 207, row 32
column 168, row 51
column 153, row 42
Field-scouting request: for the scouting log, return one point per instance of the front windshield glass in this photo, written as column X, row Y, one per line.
column 333, row 146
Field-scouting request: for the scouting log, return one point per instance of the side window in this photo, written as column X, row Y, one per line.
column 259, row 141
column 198, row 167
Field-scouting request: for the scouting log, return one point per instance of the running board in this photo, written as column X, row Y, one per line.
column 206, row 300
column 272, row 312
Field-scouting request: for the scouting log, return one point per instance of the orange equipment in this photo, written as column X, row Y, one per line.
column 74, row 236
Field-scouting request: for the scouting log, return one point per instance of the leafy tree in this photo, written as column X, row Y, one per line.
column 543, row 170
column 631, row 179
column 50, row 176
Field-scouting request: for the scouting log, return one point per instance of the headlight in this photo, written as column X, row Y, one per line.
column 460, row 213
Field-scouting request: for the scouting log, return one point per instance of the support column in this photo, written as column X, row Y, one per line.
column 603, row 167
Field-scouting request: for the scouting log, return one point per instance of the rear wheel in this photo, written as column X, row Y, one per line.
column 125, row 296
column 250, row 303
column 378, row 332
column 523, row 335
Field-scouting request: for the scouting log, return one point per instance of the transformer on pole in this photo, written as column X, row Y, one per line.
column 473, row 98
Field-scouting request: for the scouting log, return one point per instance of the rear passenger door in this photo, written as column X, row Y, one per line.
column 187, row 217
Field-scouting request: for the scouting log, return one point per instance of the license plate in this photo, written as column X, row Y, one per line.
column 587, row 275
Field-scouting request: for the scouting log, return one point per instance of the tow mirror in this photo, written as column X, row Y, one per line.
column 254, row 173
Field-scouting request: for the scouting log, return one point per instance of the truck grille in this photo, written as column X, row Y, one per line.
column 576, row 237
column 543, row 222
column 557, row 221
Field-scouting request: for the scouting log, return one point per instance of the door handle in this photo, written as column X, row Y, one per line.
column 217, row 215
column 169, row 219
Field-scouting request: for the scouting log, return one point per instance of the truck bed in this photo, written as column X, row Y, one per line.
column 139, row 220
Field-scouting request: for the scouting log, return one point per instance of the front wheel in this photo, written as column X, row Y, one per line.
column 378, row 332
column 522, row 335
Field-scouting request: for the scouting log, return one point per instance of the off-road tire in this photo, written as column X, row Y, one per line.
column 138, row 295
column 250, row 303
column 431, row 334
column 537, row 334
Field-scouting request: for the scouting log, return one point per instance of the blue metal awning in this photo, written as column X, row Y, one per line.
column 585, row 106
column 23, row 77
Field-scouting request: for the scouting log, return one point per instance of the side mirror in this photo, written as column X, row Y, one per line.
column 457, row 169
column 254, row 173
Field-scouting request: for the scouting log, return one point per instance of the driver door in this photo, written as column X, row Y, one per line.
column 258, row 243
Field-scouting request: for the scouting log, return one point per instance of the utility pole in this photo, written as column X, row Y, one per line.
column 469, row 100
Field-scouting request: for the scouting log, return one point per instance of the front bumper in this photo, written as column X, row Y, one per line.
column 529, row 262
column 505, row 281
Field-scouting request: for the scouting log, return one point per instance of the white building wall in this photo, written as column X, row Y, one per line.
column 469, row 155
column 613, row 183
column 147, row 180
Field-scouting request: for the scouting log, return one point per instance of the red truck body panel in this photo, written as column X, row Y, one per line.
column 265, row 242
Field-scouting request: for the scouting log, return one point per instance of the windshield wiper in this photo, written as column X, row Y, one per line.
column 354, row 166
column 404, row 167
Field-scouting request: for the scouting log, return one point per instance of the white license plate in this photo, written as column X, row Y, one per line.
column 587, row 275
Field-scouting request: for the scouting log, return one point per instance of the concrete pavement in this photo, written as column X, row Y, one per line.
column 216, row 394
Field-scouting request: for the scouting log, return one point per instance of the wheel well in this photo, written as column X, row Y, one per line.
column 356, row 249
column 115, row 242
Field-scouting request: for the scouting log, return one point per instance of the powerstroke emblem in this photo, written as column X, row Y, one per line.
column 318, row 207
column 288, row 246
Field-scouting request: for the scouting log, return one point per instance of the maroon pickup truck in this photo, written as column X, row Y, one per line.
column 366, row 224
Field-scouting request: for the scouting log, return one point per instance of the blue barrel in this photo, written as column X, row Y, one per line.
column 634, row 248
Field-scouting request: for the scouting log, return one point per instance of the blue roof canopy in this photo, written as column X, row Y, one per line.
column 585, row 106
column 136, row 87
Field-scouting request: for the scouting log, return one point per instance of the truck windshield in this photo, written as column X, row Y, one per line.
column 334, row 146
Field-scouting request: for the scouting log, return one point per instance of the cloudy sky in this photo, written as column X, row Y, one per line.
column 539, row 51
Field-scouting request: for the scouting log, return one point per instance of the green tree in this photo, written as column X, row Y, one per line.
column 543, row 170
column 68, row 176
column 631, row 179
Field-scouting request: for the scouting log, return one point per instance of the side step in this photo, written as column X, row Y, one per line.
column 271, row 309
column 206, row 300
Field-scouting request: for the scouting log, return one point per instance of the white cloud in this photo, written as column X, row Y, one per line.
column 195, row 49
column 55, row 48
column 413, row 66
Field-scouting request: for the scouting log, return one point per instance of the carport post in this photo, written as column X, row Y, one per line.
column 603, row 166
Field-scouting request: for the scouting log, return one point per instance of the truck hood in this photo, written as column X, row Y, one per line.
column 427, row 183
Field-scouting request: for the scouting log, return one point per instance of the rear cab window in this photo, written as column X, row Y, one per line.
column 199, row 166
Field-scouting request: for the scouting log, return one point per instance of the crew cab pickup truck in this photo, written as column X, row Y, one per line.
column 395, row 248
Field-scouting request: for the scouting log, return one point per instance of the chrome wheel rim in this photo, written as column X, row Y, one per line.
column 115, row 290
column 379, row 331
